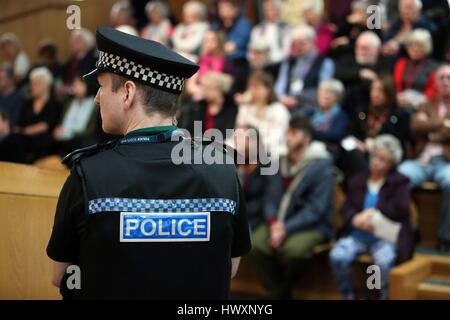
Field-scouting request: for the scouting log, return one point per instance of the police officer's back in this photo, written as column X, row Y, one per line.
column 138, row 225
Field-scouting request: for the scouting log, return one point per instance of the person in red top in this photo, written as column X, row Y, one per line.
column 431, row 126
column 414, row 75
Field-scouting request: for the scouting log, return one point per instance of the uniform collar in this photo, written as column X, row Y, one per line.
column 154, row 129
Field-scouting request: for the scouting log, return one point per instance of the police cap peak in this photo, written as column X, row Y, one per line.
column 146, row 61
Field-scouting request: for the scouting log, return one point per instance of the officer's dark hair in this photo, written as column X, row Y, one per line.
column 153, row 99
column 301, row 123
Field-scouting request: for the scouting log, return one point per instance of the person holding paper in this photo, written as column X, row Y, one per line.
column 376, row 214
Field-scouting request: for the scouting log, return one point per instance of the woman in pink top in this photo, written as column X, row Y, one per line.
column 312, row 11
column 212, row 58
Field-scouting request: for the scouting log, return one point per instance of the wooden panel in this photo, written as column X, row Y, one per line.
column 29, row 180
column 28, row 197
column 34, row 21
column 405, row 278
column 24, row 233
column 433, row 292
column 428, row 205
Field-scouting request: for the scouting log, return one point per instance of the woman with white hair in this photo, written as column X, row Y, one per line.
column 330, row 123
column 273, row 32
column 410, row 18
column 414, row 74
column 38, row 117
column 159, row 27
column 12, row 52
column 188, row 36
column 376, row 218
column 312, row 11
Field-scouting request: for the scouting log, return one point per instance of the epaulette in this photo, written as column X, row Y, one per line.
column 76, row 155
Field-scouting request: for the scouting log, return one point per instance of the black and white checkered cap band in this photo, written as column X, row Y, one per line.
column 133, row 69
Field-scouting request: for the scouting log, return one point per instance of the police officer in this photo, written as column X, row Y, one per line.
column 138, row 225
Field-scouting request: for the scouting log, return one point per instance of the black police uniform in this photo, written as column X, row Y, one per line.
column 140, row 226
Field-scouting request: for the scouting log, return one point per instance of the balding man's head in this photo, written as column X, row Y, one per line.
column 409, row 10
column 367, row 48
column 304, row 40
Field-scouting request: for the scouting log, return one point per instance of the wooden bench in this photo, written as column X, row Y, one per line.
column 28, row 197
column 424, row 277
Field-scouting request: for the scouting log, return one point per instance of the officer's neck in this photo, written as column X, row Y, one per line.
column 147, row 122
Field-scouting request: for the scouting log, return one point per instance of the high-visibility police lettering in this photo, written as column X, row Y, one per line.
column 130, row 227
column 152, row 230
column 180, row 230
column 158, row 227
column 198, row 226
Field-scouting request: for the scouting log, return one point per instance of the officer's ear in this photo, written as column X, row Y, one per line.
column 130, row 93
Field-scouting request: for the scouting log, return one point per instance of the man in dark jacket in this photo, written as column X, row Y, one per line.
column 300, row 211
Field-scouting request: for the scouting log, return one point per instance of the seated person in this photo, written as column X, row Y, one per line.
column 381, row 116
column 258, row 58
column 12, row 52
column 78, row 120
column 255, row 183
column 82, row 57
column 47, row 56
column 312, row 11
column 187, row 36
column 358, row 69
column 212, row 58
column 159, row 27
column 301, row 74
column 299, row 212
column 237, row 29
column 11, row 99
column 273, row 32
column 355, row 24
column 38, row 118
column 329, row 121
column 216, row 110
column 262, row 111
column 431, row 125
column 121, row 14
column 414, row 74
column 381, row 192
column 410, row 18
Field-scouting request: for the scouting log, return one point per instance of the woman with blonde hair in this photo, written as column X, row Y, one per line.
column 216, row 110
column 414, row 74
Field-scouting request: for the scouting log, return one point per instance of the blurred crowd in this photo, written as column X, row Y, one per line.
column 333, row 101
